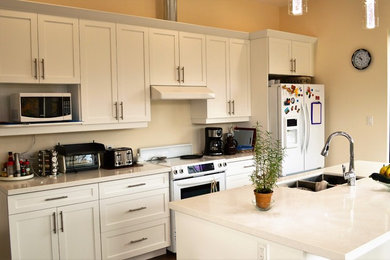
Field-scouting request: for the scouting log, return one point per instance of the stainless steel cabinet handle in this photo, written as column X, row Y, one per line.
column 138, row 240
column 233, row 107
column 136, row 185
column 116, row 110
column 230, row 102
column 182, row 70
column 248, row 166
column 62, row 221
column 55, row 223
column 178, row 74
column 56, row 198
column 122, row 110
column 291, row 65
column 295, row 65
column 137, row 209
column 43, row 68
column 36, row 68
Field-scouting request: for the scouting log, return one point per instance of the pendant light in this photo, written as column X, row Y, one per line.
column 370, row 14
column 297, row 7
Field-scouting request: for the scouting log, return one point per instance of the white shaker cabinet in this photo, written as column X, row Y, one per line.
column 238, row 173
column 114, row 75
column 290, row 57
column 38, row 48
column 228, row 77
column 177, row 58
column 54, row 224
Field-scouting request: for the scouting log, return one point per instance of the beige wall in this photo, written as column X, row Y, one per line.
column 171, row 122
column 351, row 95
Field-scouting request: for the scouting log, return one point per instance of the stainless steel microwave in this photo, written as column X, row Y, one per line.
column 40, row 107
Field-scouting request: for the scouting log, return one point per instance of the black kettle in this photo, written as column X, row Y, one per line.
column 230, row 145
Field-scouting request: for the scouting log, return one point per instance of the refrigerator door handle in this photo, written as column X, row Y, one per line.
column 304, row 128
column 308, row 127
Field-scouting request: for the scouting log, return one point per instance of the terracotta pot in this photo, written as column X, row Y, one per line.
column 263, row 200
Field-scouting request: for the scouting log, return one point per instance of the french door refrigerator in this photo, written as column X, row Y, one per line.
column 296, row 117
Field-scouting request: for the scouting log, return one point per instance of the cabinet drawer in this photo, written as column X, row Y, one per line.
column 133, row 209
column 133, row 185
column 51, row 198
column 240, row 167
column 135, row 240
column 236, row 181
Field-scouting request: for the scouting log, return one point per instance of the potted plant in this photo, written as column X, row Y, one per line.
column 268, row 158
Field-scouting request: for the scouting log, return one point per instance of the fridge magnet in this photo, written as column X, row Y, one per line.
column 286, row 110
column 292, row 100
column 287, row 102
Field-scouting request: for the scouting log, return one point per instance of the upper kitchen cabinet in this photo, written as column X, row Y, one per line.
column 38, row 48
column 288, row 53
column 228, row 77
column 177, row 58
column 114, row 73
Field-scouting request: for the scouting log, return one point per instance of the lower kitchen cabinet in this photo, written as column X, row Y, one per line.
column 238, row 173
column 134, row 216
column 68, row 232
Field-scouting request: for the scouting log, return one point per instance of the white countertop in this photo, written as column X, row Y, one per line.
column 80, row 178
column 341, row 222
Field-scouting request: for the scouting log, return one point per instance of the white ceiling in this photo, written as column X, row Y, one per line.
column 275, row 2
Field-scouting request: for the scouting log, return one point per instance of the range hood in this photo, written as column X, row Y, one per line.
column 181, row 93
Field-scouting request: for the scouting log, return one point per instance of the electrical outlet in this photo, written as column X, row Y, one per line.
column 370, row 120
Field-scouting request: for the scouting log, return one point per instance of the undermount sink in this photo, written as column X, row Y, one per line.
column 315, row 183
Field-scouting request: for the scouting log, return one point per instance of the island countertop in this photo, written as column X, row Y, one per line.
column 343, row 222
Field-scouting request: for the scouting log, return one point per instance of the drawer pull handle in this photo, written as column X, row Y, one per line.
column 136, row 185
column 57, row 198
column 248, row 166
column 138, row 240
column 137, row 209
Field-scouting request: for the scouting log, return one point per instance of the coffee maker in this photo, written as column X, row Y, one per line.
column 213, row 144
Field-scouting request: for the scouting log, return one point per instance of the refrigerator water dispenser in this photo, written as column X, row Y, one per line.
column 291, row 133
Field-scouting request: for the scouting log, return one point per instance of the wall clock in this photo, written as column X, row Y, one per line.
column 361, row 59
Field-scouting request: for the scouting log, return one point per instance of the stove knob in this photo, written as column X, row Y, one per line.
column 219, row 165
column 174, row 171
column 181, row 171
column 224, row 164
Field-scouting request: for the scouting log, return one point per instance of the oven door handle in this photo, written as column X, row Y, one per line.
column 191, row 184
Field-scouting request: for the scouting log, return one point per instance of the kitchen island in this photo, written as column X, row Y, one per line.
column 344, row 222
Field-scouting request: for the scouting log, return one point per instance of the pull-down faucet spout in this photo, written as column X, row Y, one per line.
column 350, row 175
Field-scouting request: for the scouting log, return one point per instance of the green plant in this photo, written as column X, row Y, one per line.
column 268, row 158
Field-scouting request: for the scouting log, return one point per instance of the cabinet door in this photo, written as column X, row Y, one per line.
column 133, row 73
column 302, row 55
column 18, row 47
column 192, row 59
column 98, row 72
column 58, row 49
column 79, row 233
column 164, row 57
column 34, row 235
column 239, row 78
column 280, row 56
column 218, row 76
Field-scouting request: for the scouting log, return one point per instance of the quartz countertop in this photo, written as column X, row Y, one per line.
column 338, row 223
column 80, row 178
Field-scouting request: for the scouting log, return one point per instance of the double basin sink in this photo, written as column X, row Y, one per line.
column 319, row 182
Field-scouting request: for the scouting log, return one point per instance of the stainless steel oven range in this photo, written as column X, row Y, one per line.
column 190, row 179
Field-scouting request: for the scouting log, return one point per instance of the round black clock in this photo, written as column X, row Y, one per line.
column 361, row 59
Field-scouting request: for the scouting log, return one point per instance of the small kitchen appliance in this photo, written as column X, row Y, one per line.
column 117, row 157
column 40, row 107
column 213, row 141
column 79, row 157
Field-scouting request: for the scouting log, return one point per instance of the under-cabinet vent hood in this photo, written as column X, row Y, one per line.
column 181, row 93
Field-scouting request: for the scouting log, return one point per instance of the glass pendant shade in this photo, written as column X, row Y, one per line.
column 297, row 7
column 370, row 14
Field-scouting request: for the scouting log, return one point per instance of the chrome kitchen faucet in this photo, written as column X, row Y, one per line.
column 350, row 175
